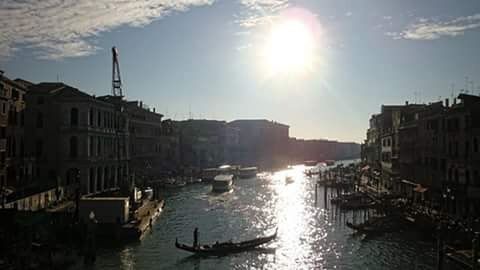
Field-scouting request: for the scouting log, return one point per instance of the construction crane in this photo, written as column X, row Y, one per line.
column 116, row 80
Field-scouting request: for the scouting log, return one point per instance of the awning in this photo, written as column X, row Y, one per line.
column 420, row 189
column 409, row 182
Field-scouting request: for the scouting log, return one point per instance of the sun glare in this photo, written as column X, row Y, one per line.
column 289, row 48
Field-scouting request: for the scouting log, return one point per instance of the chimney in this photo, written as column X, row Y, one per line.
column 153, row 109
column 454, row 101
column 447, row 103
column 141, row 104
column 406, row 103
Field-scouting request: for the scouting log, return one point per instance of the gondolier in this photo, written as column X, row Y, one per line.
column 195, row 237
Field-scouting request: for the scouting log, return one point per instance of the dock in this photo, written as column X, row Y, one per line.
column 144, row 217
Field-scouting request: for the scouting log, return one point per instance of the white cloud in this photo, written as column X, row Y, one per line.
column 258, row 12
column 58, row 29
column 430, row 29
column 348, row 14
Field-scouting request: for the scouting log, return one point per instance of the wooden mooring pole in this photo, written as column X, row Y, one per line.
column 475, row 244
column 440, row 247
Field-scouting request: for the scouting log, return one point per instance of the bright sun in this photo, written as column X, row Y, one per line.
column 289, row 48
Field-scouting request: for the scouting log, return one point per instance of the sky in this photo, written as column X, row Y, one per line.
column 236, row 59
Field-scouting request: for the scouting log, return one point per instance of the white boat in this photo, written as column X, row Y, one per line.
column 288, row 180
column 222, row 183
column 330, row 162
column 249, row 172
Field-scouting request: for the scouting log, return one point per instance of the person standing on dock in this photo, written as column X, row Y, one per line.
column 195, row 237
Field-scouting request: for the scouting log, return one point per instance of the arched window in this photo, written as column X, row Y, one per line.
column 74, row 117
column 73, row 147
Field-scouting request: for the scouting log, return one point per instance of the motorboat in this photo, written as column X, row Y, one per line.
column 310, row 163
column 222, row 183
column 330, row 162
column 288, row 179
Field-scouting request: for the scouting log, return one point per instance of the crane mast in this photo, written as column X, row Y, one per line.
column 116, row 79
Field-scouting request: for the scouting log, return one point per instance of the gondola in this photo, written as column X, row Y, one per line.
column 225, row 248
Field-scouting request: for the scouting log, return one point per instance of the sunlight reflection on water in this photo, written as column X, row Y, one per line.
column 309, row 236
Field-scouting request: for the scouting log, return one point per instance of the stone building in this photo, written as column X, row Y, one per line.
column 145, row 128
column 16, row 166
column 262, row 142
column 461, row 139
column 371, row 147
column 78, row 140
column 202, row 142
column 433, row 153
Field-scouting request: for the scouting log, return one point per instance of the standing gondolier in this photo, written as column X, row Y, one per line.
column 195, row 237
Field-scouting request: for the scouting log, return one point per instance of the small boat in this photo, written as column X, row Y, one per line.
column 249, row 172
column 225, row 248
column 288, row 180
column 170, row 183
column 330, row 162
column 222, row 183
column 310, row 163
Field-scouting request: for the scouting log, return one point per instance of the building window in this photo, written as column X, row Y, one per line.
column 475, row 145
column 74, row 117
column 39, row 120
column 99, row 119
column 73, row 147
column 476, row 178
column 4, row 107
column 90, row 146
column 99, row 146
column 91, row 117
column 22, row 147
column 467, row 177
column 99, row 179
column 38, row 148
column 15, row 94
column 22, row 118
column 467, row 149
column 456, row 149
column 91, row 184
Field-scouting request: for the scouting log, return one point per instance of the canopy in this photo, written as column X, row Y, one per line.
column 366, row 168
column 420, row 189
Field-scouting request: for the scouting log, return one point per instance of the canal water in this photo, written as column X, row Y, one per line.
column 309, row 235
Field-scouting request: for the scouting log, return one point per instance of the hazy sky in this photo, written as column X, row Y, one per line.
column 207, row 57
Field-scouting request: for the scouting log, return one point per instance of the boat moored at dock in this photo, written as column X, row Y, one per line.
column 247, row 172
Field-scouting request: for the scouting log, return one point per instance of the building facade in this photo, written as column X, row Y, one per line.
column 262, row 142
column 16, row 165
column 145, row 129
column 79, row 141
column 431, row 152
